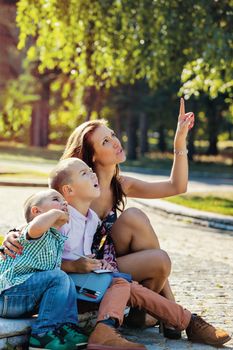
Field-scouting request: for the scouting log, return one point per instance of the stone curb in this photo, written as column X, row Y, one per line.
column 206, row 219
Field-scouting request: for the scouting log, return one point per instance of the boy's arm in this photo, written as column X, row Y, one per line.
column 44, row 221
column 69, row 266
column 81, row 265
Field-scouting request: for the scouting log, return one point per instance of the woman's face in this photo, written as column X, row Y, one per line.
column 107, row 147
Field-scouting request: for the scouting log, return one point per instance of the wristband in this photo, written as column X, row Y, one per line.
column 181, row 153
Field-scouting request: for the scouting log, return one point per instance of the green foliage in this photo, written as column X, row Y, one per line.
column 210, row 70
column 79, row 44
column 106, row 42
column 18, row 98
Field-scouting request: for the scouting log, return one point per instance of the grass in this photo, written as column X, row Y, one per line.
column 208, row 166
column 22, row 174
column 17, row 170
column 220, row 204
column 16, row 151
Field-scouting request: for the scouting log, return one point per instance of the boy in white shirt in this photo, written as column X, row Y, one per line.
column 79, row 186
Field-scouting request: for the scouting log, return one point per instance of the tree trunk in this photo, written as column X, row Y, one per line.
column 39, row 130
column 230, row 131
column 10, row 57
column 132, row 137
column 213, row 149
column 117, row 125
column 191, row 146
column 162, row 142
column 213, row 126
column 93, row 100
column 89, row 101
column 143, row 133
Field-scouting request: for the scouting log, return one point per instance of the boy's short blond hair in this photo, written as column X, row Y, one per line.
column 62, row 173
column 35, row 199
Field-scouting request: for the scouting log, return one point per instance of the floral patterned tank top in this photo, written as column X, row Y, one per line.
column 102, row 245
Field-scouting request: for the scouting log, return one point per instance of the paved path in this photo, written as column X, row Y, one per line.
column 202, row 275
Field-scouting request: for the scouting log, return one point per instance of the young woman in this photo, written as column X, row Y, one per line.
column 136, row 244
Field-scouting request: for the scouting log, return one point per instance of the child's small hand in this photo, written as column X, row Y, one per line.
column 62, row 217
column 84, row 265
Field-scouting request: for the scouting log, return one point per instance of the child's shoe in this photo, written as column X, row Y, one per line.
column 51, row 340
column 107, row 338
column 200, row 331
column 72, row 333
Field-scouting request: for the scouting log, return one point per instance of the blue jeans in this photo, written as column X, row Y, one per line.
column 53, row 293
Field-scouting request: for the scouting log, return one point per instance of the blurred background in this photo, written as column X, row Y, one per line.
column 129, row 61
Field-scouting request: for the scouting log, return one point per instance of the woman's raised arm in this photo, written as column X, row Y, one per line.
column 177, row 183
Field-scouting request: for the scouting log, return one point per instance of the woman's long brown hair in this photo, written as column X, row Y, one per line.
column 79, row 146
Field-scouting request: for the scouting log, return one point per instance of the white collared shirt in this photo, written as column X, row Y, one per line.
column 79, row 232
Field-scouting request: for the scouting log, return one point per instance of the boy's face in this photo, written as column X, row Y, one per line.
column 54, row 200
column 84, row 182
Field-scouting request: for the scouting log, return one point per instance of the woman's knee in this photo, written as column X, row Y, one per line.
column 132, row 216
column 133, row 232
column 134, row 221
column 161, row 262
column 152, row 264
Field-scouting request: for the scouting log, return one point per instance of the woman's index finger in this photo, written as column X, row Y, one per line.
column 182, row 107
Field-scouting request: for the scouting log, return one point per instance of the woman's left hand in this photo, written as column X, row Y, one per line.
column 106, row 265
column 185, row 121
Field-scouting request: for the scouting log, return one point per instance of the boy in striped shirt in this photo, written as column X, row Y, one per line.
column 34, row 279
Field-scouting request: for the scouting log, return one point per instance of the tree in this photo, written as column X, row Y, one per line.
column 210, row 71
column 136, row 40
column 12, row 118
column 94, row 46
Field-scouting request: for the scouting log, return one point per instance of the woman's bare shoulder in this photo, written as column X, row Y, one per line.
column 126, row 182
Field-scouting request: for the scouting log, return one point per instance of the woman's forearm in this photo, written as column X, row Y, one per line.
column 179, row 171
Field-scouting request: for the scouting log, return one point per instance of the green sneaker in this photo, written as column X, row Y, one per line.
column 51, row 340
column 72, row 333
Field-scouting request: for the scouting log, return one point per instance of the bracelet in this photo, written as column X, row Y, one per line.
column 181, row 153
